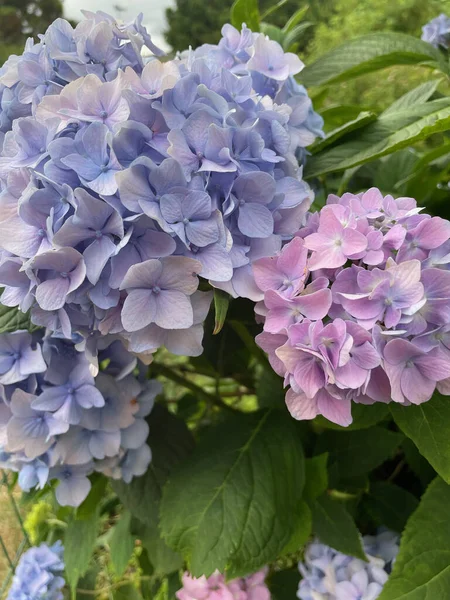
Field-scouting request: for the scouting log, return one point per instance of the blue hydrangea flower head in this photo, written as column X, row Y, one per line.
column 330, row 575
column 76, row 407
column 113, row 163
column 437, row 32
column 39, row 574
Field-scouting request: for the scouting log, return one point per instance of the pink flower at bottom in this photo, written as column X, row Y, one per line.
column 215, row 587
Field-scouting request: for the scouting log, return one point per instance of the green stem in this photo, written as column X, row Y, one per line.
column 113, row 586
column 159, row 369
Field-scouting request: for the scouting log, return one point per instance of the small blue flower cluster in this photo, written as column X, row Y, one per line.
column 59, row 422
column 330, row 575
column 39, row 574
column 437, row 32
column 123, row 180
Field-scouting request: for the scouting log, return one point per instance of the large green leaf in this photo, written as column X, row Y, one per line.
column 418, row 95
column 361, row 120
column 428, row 426
column 79, row 543
column 245, row 11
column 230, row 505
column 302, row 518
column 294, row 35
column 422, row 567
column 418, row 463
column 87, row 584
column 387, row 135
column 164, row 560
column 338, row 115
column 316, row 477
column 121, row 544
column 335, row 527
column 369, row 53
column 269, row 389
column 295, row 19
column 170, row 441
column 126, row 592
column 390, row 505
column 395, row 168
column 358, row 452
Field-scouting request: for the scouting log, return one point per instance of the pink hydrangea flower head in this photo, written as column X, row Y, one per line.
column 215, row 587
column 383, row 334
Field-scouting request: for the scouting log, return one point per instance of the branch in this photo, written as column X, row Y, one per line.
column 168, row 373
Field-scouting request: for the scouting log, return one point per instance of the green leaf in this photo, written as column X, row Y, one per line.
column 303, row 526
column 295, row 34
column 273, row 9
column 269, row 389
column 79, row 543
column 283, row 585
column 335, row 527
column 395, row 168
column 364, row 416
column 316, row 477
column 88, row 584
column 367, row 54
column 422, row 567
column 428, row 427
column 13, row 319
column 121, row 544
column 387, row 135
column 230, row 505
column 221, row 304
column 171, row 442
column 96, row 494
column 336, row 116
column 272, row 31
column 390, row 505
column 361, row 451
column 296, row 18
column 164, row 560
column 173, row 585
column 126, row 592
column 361, row 120
column 245, row 11
column 418, row 463
column 418, row 95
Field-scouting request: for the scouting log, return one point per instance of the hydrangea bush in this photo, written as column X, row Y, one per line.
column 150, row 207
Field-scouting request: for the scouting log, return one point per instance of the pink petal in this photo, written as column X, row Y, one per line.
column 353, row 241
column 267, row 274
column 309, row 375
column 434, row 366
column 331, row 258
column 398, row 352
column 300, row 406
column 314, row 306
column 415, row 386
column 292, row 260
column 433, row 232
column 336, row 410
